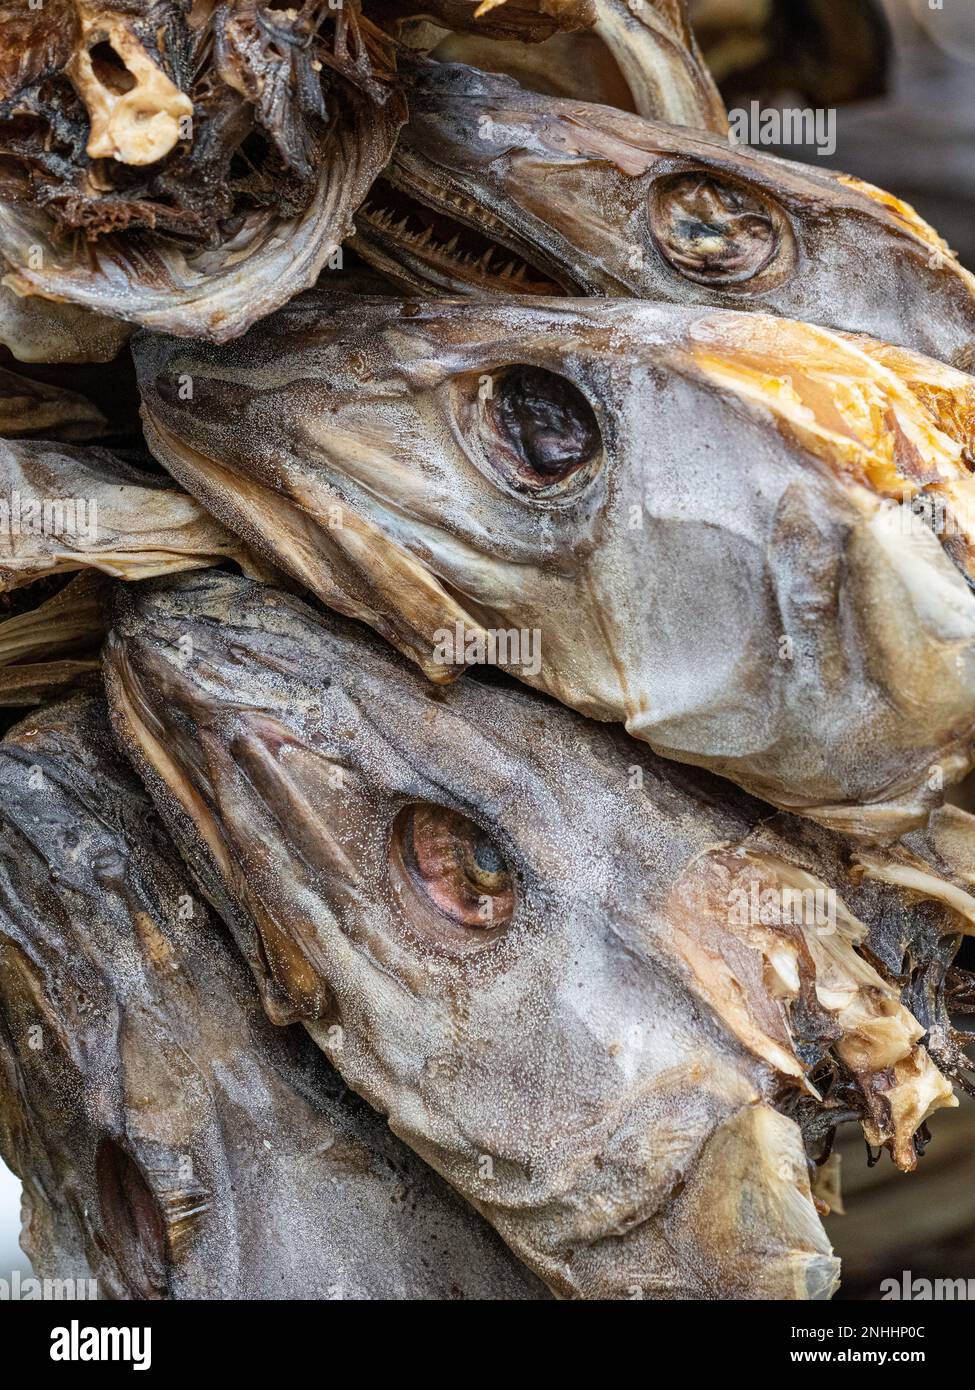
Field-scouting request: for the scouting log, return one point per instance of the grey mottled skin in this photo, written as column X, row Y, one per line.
column 173, row 1143
column 608, row 1069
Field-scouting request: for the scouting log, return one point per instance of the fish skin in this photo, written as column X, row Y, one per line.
column 585, row 1075
column 570, row 184
column 45, row 648
column 345, row 439
column 36, row 408
column 109, row 516
column 157, row 1076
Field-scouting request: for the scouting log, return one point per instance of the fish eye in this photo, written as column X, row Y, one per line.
column 715, row 232
column 455, row 868
column 539, row 430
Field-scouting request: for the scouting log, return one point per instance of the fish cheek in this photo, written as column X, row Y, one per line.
column 133, row 1223
column 717, row 232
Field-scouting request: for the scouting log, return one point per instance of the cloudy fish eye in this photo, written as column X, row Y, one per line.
column 455, row 866
column 714, row 232
column 544, row 431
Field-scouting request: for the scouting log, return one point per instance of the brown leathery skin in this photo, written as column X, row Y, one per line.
column 173, row 1144
column 574, row 1027
column 786, row 621
column 51, row 640
column 587, row 198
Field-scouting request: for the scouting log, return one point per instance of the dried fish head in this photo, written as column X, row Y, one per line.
column 494, row 189
column 189, row 168
column 49, row 641
column 538, row 942
column 721, row 551
column 36, row 408
column 172, row 1143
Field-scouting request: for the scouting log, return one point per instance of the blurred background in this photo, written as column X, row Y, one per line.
column 900, row 75
column 11, row 1255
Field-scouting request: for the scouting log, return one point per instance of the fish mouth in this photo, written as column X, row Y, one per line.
column 426, row 236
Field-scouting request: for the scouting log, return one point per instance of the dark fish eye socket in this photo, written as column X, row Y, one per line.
column 714, row 232
column 542, row 432
column 455, row 867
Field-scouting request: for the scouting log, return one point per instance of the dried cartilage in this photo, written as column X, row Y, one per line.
column 136, row 113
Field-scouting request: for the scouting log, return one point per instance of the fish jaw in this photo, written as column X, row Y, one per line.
column 649, row 1084
column 849, row 616
column 595, row 199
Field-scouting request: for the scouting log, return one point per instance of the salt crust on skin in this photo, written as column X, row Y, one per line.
column 581, row 1051
column 270, row 1179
